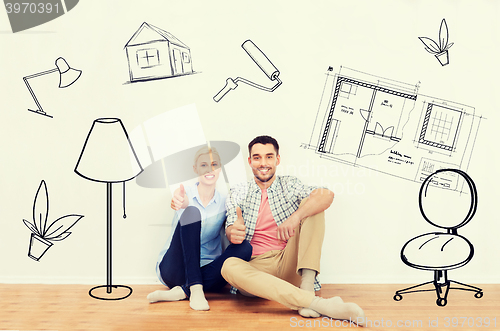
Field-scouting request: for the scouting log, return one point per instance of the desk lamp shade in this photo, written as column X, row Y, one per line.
column 107, row 155
column 67, row 75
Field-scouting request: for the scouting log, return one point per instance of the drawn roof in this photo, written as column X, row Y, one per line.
column 148, row 33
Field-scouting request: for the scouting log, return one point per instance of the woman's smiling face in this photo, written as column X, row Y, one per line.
column 208, row 168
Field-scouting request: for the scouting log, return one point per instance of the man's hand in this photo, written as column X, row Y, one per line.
column 237, row 231
column 180, row 199
column 287, row 229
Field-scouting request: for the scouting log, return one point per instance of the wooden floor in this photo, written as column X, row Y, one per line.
column 69, row 307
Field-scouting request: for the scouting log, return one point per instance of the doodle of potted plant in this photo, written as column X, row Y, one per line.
column 440, row 50
column 44, row 232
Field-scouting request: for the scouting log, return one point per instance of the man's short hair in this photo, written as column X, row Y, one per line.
column 264, row 140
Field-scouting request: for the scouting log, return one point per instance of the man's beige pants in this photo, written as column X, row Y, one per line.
column 275, row 275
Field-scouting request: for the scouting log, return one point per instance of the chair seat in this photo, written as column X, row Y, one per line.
column 437, row 251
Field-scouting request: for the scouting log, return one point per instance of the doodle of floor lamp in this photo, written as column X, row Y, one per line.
column 108, row 157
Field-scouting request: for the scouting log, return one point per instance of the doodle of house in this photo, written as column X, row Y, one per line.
column 153, row 53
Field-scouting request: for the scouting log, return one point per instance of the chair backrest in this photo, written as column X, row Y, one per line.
column 448, row 199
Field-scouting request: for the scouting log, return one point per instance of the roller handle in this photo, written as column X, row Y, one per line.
column 230, row 85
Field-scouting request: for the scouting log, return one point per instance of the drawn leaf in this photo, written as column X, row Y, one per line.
column 60, row 237
column 31, row 227
column 443, row 35
column 61, row 225
column 431, row 44
column 430, row 51
column 448, row 47
column 41, row 208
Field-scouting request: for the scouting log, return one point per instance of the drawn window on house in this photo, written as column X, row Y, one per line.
column 148, row 57
column 185, row 57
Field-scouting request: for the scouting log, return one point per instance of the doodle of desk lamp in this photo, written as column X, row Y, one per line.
column 67, row 76
column 264, row 64
column 108, row 157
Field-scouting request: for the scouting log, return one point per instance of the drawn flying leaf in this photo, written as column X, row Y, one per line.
column 60, row 237
column 448, row 46
column 60, row 226
column 432, row 46
column 41, row 208
column 443, row 35
column 32, row 227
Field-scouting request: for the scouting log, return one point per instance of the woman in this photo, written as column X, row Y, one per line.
column 191, row 261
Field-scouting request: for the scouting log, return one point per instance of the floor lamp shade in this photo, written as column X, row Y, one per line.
column 108, row 155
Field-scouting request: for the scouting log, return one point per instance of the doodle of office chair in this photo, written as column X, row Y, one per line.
column 442, row 251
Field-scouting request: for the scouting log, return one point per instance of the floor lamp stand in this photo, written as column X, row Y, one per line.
column 109, row 280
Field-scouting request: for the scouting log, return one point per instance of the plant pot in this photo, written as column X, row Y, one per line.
column 443, row 58
column 38, row 247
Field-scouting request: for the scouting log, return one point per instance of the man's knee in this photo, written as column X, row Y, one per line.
column 318, row 218
column 229, row 265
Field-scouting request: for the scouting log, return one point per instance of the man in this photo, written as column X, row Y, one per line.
column 284, row 222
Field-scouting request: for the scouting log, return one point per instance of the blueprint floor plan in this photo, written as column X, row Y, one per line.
column 387, row 126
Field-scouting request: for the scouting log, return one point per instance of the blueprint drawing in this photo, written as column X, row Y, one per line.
column 387, row 126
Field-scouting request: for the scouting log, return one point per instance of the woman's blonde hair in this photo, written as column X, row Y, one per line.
column 206, row 150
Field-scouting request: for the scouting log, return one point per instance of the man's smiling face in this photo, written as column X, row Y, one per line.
column 263, row 161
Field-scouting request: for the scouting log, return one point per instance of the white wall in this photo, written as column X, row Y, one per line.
column 373, row 214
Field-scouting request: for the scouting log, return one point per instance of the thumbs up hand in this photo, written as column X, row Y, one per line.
column 237, row 230
column 180, row 199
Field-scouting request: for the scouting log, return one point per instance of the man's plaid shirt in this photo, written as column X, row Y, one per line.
column 285, row 195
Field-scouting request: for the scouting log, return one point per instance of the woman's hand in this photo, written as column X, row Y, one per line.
column 180, row 199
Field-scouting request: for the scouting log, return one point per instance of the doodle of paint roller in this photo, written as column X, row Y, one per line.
column 264, row 64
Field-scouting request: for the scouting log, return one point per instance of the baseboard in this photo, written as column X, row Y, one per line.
column 155, row 281
column 484, row 279
column 80, row 281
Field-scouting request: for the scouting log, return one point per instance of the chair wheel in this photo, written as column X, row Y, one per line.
column 441, row 302
column 478, row 295
column 397, row 297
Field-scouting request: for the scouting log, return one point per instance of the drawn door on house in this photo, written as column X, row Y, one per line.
column 178, row 69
